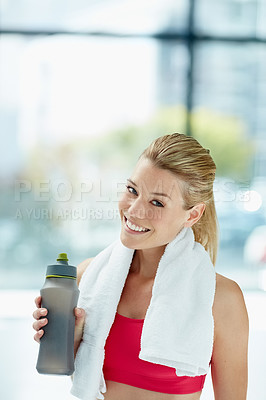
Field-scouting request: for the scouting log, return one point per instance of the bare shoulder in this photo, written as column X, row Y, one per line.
column 229, row 304
column 230, row 348
column 81, row 268
column 227, row 290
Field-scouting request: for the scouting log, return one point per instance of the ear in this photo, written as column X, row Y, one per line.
column 195, row 214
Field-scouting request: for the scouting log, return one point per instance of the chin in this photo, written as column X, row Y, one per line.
column 126, row 242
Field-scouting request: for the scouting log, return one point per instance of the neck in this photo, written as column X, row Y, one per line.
column 145, row 262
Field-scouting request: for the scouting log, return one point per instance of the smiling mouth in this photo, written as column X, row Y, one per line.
column 135, row 228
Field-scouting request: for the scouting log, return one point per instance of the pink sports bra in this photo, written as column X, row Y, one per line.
column 122, row 364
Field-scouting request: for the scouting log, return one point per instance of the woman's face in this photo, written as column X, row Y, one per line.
column 151, row 208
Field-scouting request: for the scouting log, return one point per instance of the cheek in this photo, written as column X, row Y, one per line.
column 166, row 219
column 157, row 214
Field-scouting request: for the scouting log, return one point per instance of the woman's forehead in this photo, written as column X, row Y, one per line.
column 155, row 179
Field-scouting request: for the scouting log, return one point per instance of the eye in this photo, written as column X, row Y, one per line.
column 131, row 190
column 158, row 203
column 134, row 192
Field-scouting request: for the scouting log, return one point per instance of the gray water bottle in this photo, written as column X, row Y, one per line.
column 60, row 296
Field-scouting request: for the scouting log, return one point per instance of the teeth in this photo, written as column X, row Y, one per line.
column 135, row 227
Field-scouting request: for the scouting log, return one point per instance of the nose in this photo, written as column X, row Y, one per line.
column 137, row 209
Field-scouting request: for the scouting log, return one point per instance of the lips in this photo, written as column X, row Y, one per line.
column 134, row 228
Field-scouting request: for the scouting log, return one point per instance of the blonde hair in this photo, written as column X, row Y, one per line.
column 192, row 164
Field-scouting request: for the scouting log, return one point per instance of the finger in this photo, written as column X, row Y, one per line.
column 79, row 326
column 37, row 325
column 38, row 301
column 79, row 323
column 38, row 336
column 39, row 313
column 80, row 317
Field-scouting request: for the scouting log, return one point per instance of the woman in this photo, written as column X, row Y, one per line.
column 172, row 188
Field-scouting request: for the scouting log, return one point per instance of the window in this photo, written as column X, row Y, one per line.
column 83, row 84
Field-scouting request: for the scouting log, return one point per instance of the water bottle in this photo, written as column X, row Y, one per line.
column 60, row 296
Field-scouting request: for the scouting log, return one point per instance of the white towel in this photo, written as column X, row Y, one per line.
column 178, row 328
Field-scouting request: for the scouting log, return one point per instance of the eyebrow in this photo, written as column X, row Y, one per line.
column 155, row 193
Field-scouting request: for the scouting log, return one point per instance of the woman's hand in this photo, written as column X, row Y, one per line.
column 40, row 322
column 79, row 327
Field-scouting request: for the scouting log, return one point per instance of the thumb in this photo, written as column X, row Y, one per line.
column 79, row 326
column 79, row 320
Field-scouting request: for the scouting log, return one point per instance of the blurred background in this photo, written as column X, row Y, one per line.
column 85, row 86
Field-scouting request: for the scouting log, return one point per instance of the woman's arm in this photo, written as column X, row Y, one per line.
column 229, row 364
column 81, row 268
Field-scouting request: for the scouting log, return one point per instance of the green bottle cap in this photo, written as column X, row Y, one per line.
column 62, row 257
